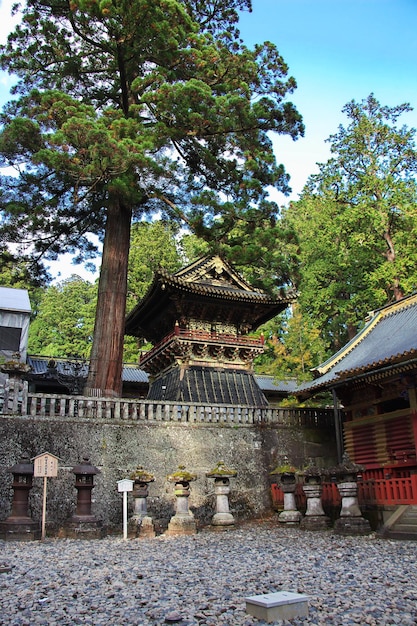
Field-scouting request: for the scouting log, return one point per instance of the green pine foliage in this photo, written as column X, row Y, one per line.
column 356, row 222
column 64, row 324
column 127, row 110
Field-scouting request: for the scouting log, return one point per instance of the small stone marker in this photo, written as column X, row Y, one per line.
column 279, row 605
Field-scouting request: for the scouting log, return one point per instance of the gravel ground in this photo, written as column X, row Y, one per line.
column 203, row 579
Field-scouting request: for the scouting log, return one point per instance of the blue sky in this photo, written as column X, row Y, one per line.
column 337, row 50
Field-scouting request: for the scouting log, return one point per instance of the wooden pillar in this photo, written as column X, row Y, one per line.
column 338, row 427
column 413, row 406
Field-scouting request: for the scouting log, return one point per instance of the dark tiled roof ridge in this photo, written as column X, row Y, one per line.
column 374, row 317
column 392, row 348
column 219, row 291
column 393, row 359
column 287, row 384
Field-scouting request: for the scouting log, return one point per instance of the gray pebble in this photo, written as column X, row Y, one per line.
column 203, row 580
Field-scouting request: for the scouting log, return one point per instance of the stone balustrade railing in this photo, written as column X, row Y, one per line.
column 18, row 400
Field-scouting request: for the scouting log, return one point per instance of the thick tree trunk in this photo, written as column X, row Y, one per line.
column 106, row 361
column 391, row 256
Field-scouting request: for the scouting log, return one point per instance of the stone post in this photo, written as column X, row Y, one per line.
column 222, row 474
column 141, row 523
column 182, row 523
column 19, row 526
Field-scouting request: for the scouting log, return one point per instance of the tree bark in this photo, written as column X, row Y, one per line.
column 391, row 256
column 106, row 360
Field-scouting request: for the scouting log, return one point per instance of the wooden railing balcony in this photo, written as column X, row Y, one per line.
column 202, row 336
column 17, row 400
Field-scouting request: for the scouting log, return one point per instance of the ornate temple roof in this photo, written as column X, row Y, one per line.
column 388, row 340
column 208, row 386
column 207, row 289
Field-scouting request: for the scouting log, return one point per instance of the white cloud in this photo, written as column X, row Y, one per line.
column 7, row 22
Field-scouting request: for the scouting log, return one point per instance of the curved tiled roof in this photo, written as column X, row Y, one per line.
column 390, row 337
column 218, row 291
column 208, row 286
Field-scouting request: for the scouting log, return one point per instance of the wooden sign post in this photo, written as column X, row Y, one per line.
column 45, row 465
column 124, row 486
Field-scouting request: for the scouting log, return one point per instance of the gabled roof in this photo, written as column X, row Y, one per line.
column 208, row 282
column 213, row 276
column 14, row 300
column 213, row 272
column 388, row 338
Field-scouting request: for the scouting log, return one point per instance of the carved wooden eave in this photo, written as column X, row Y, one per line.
column 209, row 289
column 201, row 349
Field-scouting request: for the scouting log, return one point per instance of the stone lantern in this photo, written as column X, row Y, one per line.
column 287, row 480
column 182, row 523
column 141, row 524
column 315, row 517
column 83, row 524
column 222, row 475
column 351, row 521
column 19, row 526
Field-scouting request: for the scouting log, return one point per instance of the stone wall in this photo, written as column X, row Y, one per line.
column 117, row 447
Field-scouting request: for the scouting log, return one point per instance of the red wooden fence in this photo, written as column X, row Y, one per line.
column 389, row 491
column 373, row 491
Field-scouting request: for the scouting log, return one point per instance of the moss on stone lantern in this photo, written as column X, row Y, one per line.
column 181, row 476
column 141, row 523
column 221, row 471
column 182, row 523
column 287, row 479
column 286, row 472
column 141, row 476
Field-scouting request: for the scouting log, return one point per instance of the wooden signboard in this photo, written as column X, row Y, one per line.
column 45, row 466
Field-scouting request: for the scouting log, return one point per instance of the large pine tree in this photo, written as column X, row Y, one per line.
column 356, row 221
column 129, row 108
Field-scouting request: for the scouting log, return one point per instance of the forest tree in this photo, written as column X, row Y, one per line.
column 128, row 109
column 356, row 222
